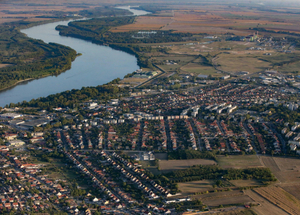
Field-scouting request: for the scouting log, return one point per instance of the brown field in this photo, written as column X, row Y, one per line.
column 214, row 19
column 245, row 183
column 235, row 210
column 224, row 198
column 265, row 207
column 286, row 170
column 144, row 23
column 280, row 198
column 4, row 65
column 191, row 187
column 171, row 165
column 6, row 20
column 292, row 189
column 239, row 161
column 228, row 200
column 35, row 9
column 210, row 18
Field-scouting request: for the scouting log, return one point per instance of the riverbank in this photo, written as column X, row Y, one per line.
column 96, row 66
column 29, row 58
column 18, row 82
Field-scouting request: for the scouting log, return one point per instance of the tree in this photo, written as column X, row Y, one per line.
column 219, row 183
column 272, row 153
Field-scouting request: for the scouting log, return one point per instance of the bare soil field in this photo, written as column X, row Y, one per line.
column 171, row 165
column 224, row 198
column 236, row 210
column 18, row 10
column 280, row 198
column 245, row 183
column 214, row 195
column 228, row 200
column 4, row 65
column 265, row 207
column 239, row 162
column 215, row 19
column 292, row 189
column 286, row 170
column 191, row 187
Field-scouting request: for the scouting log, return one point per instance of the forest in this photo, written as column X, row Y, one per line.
column 24, row 58
column 72, row 98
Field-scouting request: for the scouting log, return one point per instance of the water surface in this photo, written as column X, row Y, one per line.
column 97, row 65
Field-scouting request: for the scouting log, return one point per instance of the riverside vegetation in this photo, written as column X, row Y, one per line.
column 23, row 58
column 97, row 30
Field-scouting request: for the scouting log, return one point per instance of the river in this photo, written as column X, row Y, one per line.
column 96, row 66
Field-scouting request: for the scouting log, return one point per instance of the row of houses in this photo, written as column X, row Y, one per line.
column 95, row 180
column 137, row 171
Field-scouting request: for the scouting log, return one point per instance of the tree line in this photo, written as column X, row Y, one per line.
column 215, row 172
column 28, row 58
column 190, row 154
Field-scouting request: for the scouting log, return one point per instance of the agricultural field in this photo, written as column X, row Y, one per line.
column 245, row 183
column 215, row 199
column 4, row 65
column 215, row 19
column 171, row 165
column 172, row 62
column 33, row 12
column 223, row 57
column 286, row 170
column 233, row 63
column 239, row 161
column 293, row 189
column 280, row 198
column 144, row 23
column 293, row 67
column 265, row 207
column 198, row 69
column 191, row 187
column 212, row 46
column 227, row 200
column 234, row 211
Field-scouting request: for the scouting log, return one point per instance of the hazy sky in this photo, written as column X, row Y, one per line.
column 284, row 3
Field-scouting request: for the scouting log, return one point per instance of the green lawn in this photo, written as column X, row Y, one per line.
column 200, row 69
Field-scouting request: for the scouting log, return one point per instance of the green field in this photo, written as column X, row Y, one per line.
column 201, row 70
column 242, row 62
